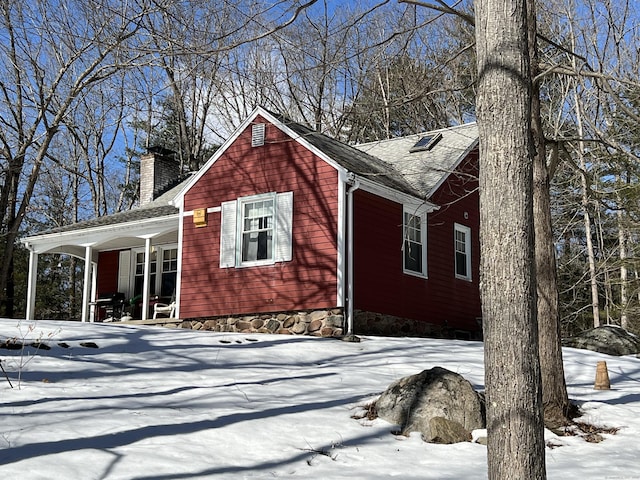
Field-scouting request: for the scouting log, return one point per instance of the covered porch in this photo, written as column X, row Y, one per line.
column 131, row 257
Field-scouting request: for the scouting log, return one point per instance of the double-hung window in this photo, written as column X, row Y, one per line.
column 414, row 245
column 139, row 273
column 462, row 246
column 256, row 230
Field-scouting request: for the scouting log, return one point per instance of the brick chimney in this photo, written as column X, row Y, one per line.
column 158, row 170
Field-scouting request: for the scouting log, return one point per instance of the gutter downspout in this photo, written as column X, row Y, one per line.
column 354, row 185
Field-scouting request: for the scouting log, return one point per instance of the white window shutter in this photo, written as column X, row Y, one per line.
column 284, row 227
column 124, row 272
column 228, row 235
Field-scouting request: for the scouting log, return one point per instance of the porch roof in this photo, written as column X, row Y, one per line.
column 158, row 220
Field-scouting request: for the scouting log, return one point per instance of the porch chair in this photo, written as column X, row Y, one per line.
column 165, row 309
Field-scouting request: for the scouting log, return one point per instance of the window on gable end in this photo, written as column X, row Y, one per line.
column 414, row 245
column 256, row 230
column 462, row 247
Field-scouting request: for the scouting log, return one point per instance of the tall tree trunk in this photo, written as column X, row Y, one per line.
column 608, row 293
column 515, row 426
column 593, row 280
column 555, row 399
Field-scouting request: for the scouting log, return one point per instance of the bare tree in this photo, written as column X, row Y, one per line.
column 596, row 115
column 557, row 408
column 51, row 54
column 556, row 401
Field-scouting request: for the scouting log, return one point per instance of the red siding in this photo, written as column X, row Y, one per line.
column 107, row 281
column 310, row 279
column 380, row 284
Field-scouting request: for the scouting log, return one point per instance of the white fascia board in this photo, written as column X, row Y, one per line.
column 179, row 200
column 300, row 139
column 396, row 196
column 149, row 227
column 453, row 168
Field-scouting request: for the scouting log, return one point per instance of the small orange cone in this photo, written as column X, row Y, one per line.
column 602, row 377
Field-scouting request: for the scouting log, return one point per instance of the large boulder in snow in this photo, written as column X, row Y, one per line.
column 433, row 402
column 609, row 339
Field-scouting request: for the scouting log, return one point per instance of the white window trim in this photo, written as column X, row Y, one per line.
column 231, row 234
column 239, row 230
column 467, row 235
column 132, row 266
column 422, row 214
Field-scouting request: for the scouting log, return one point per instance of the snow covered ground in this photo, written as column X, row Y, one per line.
column 154, row 403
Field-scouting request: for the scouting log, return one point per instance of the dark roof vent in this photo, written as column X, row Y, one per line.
column 426, row 143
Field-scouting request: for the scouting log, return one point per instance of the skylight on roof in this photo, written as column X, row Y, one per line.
column 426, row 143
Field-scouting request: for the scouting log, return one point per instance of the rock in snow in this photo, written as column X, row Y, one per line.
column 609, row 339
column 438, row 403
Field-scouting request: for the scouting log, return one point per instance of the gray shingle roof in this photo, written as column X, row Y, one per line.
column 425, row 169
column 135, row 214
column 355, row 160
column 387, row 162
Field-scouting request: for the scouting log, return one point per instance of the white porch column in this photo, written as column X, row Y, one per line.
column 86, row 289
column 31, row 285
column 94, row 288
column 147, row 279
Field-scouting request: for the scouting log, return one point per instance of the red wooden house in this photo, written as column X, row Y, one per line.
column 287, row 230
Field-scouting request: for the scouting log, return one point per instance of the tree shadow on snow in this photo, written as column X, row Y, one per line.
column 128, row 437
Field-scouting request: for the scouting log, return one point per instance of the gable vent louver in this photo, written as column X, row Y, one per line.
column 426, row 143
column 257, row 134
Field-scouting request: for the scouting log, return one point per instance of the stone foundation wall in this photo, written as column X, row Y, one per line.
column 321, row 323
column 318, row 323
column 391, row 326
column 370, row 323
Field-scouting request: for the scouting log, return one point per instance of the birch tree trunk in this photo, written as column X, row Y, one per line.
column 624, row 272
column 515, row 445
column 586, row 216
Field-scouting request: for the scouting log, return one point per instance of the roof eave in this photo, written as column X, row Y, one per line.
column 395, row 195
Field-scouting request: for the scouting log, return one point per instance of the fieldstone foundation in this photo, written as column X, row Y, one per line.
column 318, row 323
column 391, row 326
